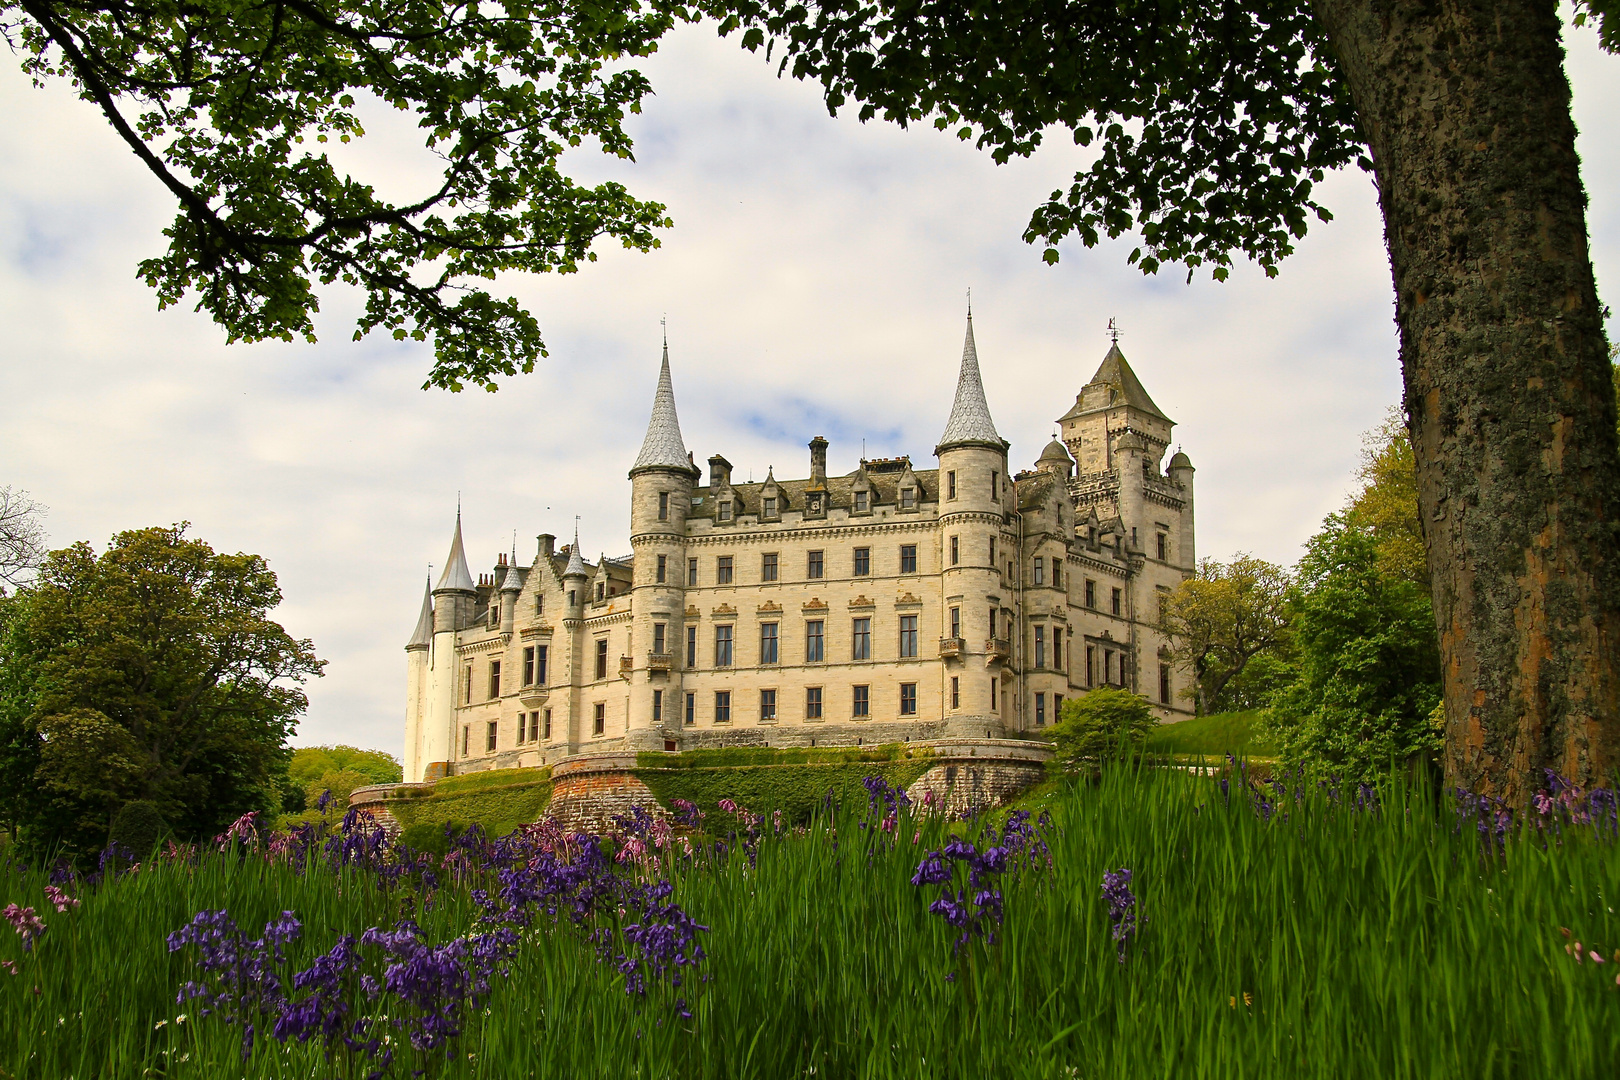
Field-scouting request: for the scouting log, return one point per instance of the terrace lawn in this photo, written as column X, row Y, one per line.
column 1212, row 737
column 1310, row 939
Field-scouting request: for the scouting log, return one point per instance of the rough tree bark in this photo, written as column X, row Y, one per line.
column 1465, row 106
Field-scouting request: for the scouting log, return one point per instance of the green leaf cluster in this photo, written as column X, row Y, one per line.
column 1100, row 726
column 149, row 672
column 1214, row 122
column 238, row 110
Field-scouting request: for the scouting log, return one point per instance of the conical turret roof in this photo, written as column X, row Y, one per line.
column 513, row 582
column 1117, row 375
column 663, row 448
column 576, row 565
column 456, row 575
column 423, row 636
column 970, row 421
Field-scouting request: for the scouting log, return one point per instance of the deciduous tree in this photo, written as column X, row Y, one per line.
column 1215, row 123
column 1222, row 618
column 22, row 537
column 150, row 671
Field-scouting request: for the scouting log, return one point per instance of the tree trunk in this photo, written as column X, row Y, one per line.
column 1508, row 397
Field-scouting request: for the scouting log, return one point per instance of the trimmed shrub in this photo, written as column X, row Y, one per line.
column 1100, row 726
column 138, row 826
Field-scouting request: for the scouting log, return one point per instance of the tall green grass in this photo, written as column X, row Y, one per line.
column 1213, row 736
column 1325, row 942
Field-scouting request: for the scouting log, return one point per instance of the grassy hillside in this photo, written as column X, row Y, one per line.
column 498, row 800
column 1212, row 736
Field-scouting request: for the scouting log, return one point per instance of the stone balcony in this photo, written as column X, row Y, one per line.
column 534, row 694
column 660, row 663
column 997, row 651
column 951, row 647
column 627, row 664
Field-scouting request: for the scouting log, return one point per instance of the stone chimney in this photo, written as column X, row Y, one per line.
column 818, row 462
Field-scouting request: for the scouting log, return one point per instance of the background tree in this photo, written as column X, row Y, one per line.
column 150, row 672
column 1223, row 617
column 1215, row 124
column 232, row 108
column 310, row 763
column 22, row 537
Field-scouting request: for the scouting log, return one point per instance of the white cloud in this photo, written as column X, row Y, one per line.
column 814, row 284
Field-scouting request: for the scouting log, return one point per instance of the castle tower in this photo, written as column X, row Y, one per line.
column 974, row 493
column 453, row 601
column 417, row 657
column 661, row 483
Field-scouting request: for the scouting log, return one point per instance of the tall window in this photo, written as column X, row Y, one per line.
column 658, row 637
column 489, row 738
column 1057, row 707
column 993, row 687
column 523, row 727
column 1114, row 603
column 722, row 706
column 1040, row 646
column 546, row 731
column 494, row 678
column 861, row 702
column 540, row 654
column 908, row 636
column 956, row 622
column 601, row 658
column 767, row 704
column 767, row 643
column 663, row 568
column 862, row 639
column 1164, row 684
column 956, row 691
column 992, row 551
column 1161, row 539
column 908, row 498
column 658, row 706
column 722, row 646
column 1057, row 572
column 1040, row 570
column 950, row 485
column 816, row 568
column 663, row 506
column 863, row 561
column 995, row 485
column 599, row 591
column 599, row 724
column 1040, row 709
column 691, row 646
column 528, row 665
column 814, row 650
column 812, row 703
column 992, row 622
column 767, row 566
column 722, row 570
column 1091, row 593
column 466, row 733
column 691, row 709
column 691, row 572
column 908, row 558
column 1057, row 652
column 1091, row 665
column 908, row 699
column 956, row 550
column 861, row 498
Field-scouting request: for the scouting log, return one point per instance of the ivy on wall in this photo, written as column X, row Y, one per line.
column 498, row 800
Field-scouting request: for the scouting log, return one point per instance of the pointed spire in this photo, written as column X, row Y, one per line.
column 663, row 448
column 513, row 582
column 970, row 421
column 456, row 576
column 423, row 636
column 576, row 565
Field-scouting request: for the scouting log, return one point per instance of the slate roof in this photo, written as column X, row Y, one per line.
column 456, row 575
column 663, row 448
column 1117, row 375
column 885, row 492
column 423, row 635
column 970, row 421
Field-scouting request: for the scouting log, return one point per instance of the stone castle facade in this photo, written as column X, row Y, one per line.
column 894, row 603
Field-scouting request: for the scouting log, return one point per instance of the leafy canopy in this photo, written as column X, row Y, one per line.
column 236, row 108
column 149, row 672
column 1099, row 726
column 1215, row 121
column 1222, row 619
column 313, row 762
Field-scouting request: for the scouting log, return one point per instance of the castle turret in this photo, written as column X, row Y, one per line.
column 511, row 586
column 453, row 601
column 1181, row 474
column 417, row 656
column 974, row 489
column 661, row 483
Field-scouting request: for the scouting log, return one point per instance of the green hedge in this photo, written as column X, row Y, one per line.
column 794, row 789
column 499, row 800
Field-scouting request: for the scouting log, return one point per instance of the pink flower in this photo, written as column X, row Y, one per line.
column 1596, row 957
column 61, row 899
column 25, row 922
column 9, row 965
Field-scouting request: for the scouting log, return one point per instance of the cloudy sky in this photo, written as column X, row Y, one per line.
column 814, row 283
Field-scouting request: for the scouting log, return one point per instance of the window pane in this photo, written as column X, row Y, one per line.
column 908, row 635
column 691, row 572
column 863, row 561
column 908, row 558
column 767, row 570
column 767, row 704
column 863, row 639
column 722, row 646
column 813, row 641
column 722, row 706
column 812, row 703
column 722, row 570
column 691, row 646
column 814, row 570
column 862, row 701
column 767, row 643
column 908, row 699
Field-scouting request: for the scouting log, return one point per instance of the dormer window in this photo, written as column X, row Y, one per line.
column 768, row 508
column 861, row 504
column 908, row 498
column 494, row 616
column 725, row 510
column 600, row 588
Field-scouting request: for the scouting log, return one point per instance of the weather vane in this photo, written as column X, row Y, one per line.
column 1113, row 331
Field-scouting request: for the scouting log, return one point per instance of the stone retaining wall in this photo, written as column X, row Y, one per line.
column 975, row 774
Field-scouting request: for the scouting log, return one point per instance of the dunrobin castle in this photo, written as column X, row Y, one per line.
column 894, row 603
